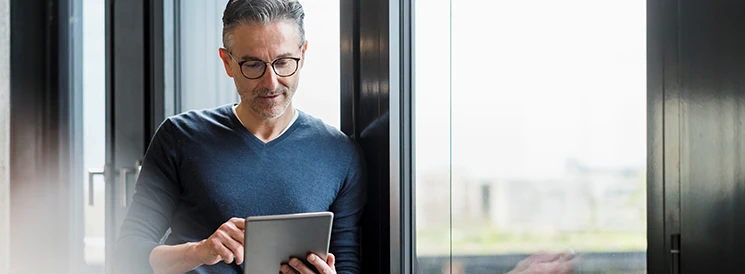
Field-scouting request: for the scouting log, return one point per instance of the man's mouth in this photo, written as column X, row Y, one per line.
column 270, row 97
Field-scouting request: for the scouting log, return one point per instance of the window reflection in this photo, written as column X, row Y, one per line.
column 539, row 146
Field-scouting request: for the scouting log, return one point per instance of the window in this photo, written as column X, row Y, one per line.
column 94, row 131
column 530, row 124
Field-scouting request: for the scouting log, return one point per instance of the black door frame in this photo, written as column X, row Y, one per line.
column 135, row 100
column 661, row 217
column 376, row 110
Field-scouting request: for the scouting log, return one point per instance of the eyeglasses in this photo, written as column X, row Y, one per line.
column 255, row 69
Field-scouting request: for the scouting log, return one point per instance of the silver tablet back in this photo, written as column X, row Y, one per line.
column 272, row 240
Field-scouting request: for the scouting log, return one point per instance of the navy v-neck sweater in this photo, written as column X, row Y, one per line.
column 204, row 167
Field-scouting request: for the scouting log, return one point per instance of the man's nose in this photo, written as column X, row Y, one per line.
column 269, row 80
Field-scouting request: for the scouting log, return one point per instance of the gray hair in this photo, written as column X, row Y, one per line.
column 261, row 12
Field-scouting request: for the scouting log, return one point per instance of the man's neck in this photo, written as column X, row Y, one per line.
column 264, row 129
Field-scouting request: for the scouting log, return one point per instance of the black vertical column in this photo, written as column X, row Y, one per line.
column 364, row 116
column 657, row 23
column 711, row 64
column 135, row 99
column 126, row 123
column 377, row 100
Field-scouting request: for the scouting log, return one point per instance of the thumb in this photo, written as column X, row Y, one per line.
column 331, row 261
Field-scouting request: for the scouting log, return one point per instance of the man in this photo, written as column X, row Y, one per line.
column 205, row 170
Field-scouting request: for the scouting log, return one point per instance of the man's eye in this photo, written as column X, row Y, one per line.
column 253, row 65
column 282, row 63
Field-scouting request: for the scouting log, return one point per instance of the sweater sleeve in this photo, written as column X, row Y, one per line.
column 347, row 208
column 149, row 216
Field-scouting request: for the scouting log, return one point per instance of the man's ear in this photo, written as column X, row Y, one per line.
column 226, row 60
column 302, row 53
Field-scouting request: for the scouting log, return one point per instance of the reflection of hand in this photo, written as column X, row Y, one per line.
column 545, row 264
column 327, row 267
column 226, row 244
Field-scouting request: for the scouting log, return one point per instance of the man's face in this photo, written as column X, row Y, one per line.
column 270, row 95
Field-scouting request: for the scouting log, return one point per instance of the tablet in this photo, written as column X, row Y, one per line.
column 272, row 240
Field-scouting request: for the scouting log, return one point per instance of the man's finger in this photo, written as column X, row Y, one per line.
column 320, row 265
column 300, row 266
column 236, row 234
column 239, row 255
column 229, row 259
column 227, row 240
column 232, row 230
column 285, row 269
column 543, row 257
column 240, row 223
column 237, row 250
column 567, row 257
column 559, row 267
column 234, row 247
column 224, row 253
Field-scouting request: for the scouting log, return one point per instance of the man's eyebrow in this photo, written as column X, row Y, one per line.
column 254, row 58
column 250, row 58
column 283, row 55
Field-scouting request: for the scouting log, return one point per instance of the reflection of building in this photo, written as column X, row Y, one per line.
column 433, row 200
column 583, row 199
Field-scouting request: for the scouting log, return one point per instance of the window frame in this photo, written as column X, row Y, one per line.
column 379, row 98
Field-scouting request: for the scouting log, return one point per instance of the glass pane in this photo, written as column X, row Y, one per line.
column 432, row 131
column 319, row 92
column 548, row 137
column 204, row 84
column 94, row 129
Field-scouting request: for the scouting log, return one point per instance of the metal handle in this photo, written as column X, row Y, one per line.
column 123, row 183
column 92, row 172
column 123, row 180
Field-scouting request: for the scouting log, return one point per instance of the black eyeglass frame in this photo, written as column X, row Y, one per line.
column 240, row 66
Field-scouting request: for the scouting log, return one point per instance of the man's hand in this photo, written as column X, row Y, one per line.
column 327, row 267
column 226, row 244
column 545, row 264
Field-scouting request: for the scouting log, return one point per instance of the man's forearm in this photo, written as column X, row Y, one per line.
column 167, row 259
